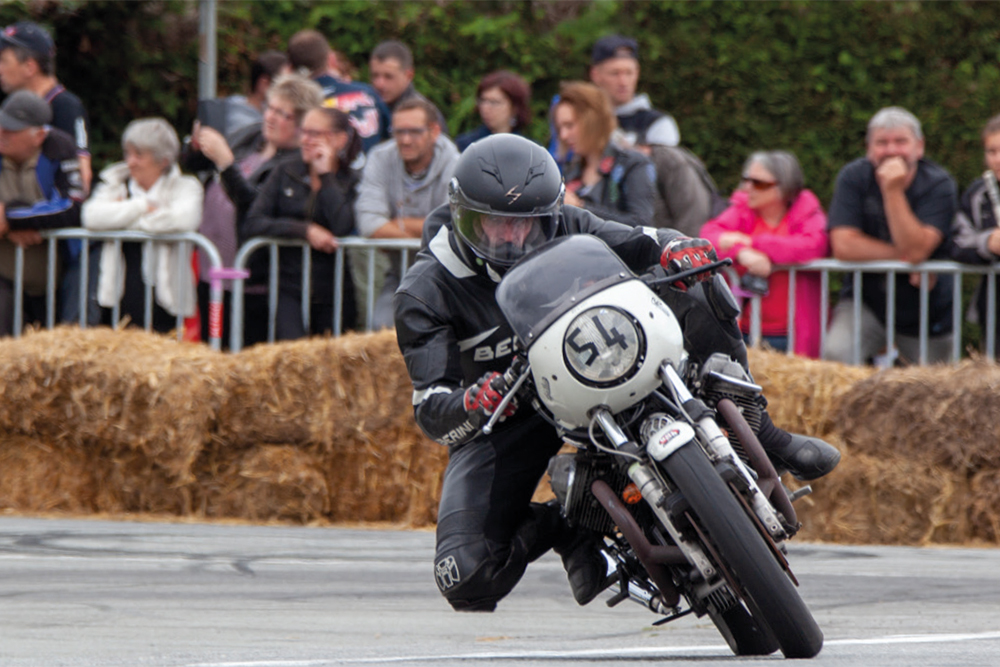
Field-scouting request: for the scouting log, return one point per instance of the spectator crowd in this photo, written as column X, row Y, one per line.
column 309, row 153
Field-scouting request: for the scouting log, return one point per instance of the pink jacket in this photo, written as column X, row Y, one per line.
column 807, row 240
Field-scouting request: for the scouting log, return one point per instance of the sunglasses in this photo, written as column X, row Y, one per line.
column 758, row 184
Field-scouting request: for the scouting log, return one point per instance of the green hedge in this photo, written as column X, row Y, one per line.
column 738, row 76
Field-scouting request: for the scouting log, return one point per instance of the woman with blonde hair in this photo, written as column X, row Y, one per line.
column 611, row 182
column 242, row 169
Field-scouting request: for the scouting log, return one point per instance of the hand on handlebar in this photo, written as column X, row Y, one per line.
column 485, row 395
column 685, row 253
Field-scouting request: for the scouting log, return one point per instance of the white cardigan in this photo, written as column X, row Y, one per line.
column 119, row 203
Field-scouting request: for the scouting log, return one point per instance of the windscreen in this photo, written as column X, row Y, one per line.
column 552, row 279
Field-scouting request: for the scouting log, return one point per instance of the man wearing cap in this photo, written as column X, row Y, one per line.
column 40, row 188
column 614, row 68
column 27, row 62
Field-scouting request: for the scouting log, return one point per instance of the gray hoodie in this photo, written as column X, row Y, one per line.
column 386, row 191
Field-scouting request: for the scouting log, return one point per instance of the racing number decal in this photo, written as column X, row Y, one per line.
column 614, row 337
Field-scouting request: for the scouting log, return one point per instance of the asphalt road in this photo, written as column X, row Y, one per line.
column 89, row 593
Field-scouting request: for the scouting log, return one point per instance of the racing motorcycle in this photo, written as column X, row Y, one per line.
column 667, row 467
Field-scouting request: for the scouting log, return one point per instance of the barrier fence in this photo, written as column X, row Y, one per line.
column 116, row 238
column 369, row 248
column 826, row 267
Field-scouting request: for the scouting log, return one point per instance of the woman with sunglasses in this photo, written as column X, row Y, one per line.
column 773, row 220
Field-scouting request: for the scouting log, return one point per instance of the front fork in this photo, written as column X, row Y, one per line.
column 720, row 449
column 655, row 490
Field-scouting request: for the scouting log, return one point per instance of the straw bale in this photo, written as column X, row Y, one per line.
column 315, row 391
column 889, row 499
column 948, row 412
column 984, row 508
column 37, row 477
column 804, row 395
column 266, row 482
column 348, row 401
column 136, row 394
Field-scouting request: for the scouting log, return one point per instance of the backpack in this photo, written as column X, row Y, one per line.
column 687, row 196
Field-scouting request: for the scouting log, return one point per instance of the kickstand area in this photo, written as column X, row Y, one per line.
column 673, row 617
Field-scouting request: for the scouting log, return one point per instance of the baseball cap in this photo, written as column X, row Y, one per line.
column 614, row 46
column 23, row 109
column 30, row 36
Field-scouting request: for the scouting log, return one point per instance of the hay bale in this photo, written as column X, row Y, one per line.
column 264, row 483
column 135, row 393
column 37, row 477
column 984, row 507
column 946, row 412
column 887, row 499
column 348, row 400
column 805, row 395
column 315, row 391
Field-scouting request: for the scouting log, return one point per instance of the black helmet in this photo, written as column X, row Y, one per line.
column 505, row 199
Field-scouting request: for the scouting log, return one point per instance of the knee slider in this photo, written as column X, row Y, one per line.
column 474, row 577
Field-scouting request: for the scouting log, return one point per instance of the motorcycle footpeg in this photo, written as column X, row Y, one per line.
column 801, row 492
column 622, row 593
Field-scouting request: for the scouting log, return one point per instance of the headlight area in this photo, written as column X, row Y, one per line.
column 604, row 346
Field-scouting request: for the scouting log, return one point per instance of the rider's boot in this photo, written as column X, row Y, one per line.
column 806, row 458
column 585, row 564
column 580, row 550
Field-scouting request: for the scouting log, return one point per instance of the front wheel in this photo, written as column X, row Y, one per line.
column 766, row 589
column 743, row 634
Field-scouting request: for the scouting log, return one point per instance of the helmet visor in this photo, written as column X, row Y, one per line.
column 502, row 239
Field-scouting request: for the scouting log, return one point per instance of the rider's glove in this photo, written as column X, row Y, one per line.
column 685, row 253
column 485, row 395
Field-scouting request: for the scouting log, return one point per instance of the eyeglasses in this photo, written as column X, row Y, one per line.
column 315, row 134
column 490, row 102
column 411, row 132
column 280, row 113
column 758, row 184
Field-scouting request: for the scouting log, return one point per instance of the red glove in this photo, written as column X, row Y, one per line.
column 685, row 253
column 485, row 395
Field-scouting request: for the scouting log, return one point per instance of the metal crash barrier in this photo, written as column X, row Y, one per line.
column 370, row 246
column 52, row 238
column 826, row 267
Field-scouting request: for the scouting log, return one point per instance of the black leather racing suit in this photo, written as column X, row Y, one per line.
column 451, row 332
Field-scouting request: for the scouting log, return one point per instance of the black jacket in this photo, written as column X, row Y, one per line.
column 450, row 328
column 284, row 207
column 626, row 192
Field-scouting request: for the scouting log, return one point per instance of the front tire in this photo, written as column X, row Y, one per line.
column 742, row 632
column 766, row 589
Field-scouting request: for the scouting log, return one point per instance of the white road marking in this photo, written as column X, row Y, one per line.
column 609, row 654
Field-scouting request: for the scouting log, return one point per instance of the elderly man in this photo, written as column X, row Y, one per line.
column 40, row 188
column 403, row 181
column 892, row 204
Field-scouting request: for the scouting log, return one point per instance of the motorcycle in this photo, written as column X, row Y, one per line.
column 667, row 468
